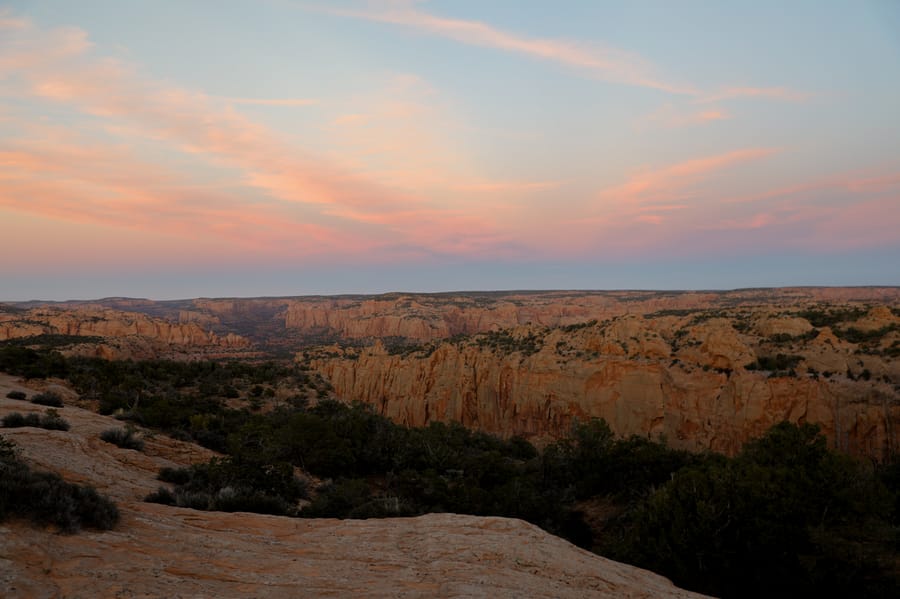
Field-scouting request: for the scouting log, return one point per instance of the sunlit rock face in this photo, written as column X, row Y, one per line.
column 115, row 334
column 710, row 379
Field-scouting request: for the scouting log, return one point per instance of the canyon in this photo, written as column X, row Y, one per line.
column 706, row 370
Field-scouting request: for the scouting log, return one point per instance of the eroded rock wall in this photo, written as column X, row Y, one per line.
column 696, row 383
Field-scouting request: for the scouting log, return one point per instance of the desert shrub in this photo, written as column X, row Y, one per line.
column 29, row 363
column 777, row 363
column 162, row 495
column 50, row 420
column 18, row 420
column 786, row 517
column 45, row 498
column 828, row 317
column 231, row 485
column 8, row 449
column 177, row 476
column 122, row 437
column 48, row 398
column 16, row 395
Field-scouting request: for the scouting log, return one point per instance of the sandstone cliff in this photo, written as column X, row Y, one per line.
column 708, row 380
column 291, row 322
column 122, row 334
column 426, row 317
column 162, row 551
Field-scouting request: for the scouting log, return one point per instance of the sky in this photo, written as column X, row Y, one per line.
column 243, row 148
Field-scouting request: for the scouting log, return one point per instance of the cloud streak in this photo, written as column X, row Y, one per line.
column 610, row 64
column 56, row 66
column 662, row 185
column 670, row 117
column 770, row 93
column 284, row 102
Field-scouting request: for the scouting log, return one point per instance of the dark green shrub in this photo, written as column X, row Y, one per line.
column 176, row 476
column 45, row 498
column 48, row 398
column 16, row 395
column 162, row 495
column 122, row 437
column 51, row 420
column 784, row 518
column 18, row 420
column 231, row 485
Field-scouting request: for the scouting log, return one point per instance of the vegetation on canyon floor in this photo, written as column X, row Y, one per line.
column 784, row 517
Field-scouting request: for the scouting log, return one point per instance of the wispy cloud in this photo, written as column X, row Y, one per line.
column 57, row 66
column 607, row 63
column 671, row 117
column 662, row 185
column 854, row 183
column 610, row 64
column 89, row 183
column 506, row 186
column 771, row 93
column 10, row 21
column 286, row 102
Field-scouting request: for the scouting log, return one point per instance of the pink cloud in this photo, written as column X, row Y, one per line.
column 850, row 182
column 286, row 102
column 668, row 183
column 772, row 93
column 507, row 186
column 55, row 66
column 670, row 117
column 105, row 185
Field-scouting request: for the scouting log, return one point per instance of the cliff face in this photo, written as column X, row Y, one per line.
column 682, row 377
column 124, row 334
column 422, row 317
column 291, row 322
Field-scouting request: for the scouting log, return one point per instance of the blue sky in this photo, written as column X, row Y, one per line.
column 173, row 149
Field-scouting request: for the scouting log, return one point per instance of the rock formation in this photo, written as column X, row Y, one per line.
column 123, row 334
column 163, row 551
column 707, row 380
column 297, row 321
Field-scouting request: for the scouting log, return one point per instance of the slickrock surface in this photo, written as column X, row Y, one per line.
column 161, row 551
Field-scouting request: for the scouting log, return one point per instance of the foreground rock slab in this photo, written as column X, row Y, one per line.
column 162, row 551
column 159, row 551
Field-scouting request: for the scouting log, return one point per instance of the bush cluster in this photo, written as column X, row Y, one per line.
column 784, row 518
column 16, row 395
column 122, row 437
column 45, row 498
column 50, row 420
column 230, row 485
column 47, row 398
